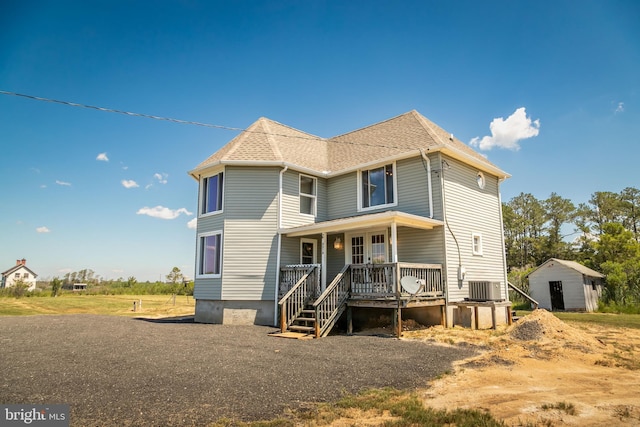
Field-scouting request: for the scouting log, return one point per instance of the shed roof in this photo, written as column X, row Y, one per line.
column 269, row 142
column 573, row 265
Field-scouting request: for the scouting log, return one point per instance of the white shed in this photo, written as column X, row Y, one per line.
column 559, row 284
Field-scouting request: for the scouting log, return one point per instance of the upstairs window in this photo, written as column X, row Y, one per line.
column 308, row 193
column 212, row 194
column 25, row 276
column 17, row 275
column 378, row 186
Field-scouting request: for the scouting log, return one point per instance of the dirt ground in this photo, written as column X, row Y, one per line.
column 542, row 371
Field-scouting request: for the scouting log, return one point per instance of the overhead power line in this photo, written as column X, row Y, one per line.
column 185, row 122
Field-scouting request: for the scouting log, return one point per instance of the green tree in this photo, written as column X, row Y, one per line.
column 175, row 276
column 617, row 254
column 630, row 205
column 56, row 286
column 558, row 212
column 524, row 218
column 19, row 288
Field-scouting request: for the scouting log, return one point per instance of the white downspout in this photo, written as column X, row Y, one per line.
column 426, row 159
column 277, row 286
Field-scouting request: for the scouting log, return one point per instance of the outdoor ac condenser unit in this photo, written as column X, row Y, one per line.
column 484, row 291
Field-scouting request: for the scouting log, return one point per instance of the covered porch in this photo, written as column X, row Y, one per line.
column 362, row 263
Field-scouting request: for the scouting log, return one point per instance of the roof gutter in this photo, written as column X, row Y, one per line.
column 195, row 173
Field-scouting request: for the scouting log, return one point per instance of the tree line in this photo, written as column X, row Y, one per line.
column 603, row 234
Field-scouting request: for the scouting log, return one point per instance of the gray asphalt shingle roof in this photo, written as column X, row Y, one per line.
column 269, row 141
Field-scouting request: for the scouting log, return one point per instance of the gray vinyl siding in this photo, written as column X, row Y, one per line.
column 250, row 233
column 470, row 210
column 412, row 192
column 335, row 257
column 248, row 223
column 290, row 253
column 413, row 189
column 420, row 246
column 291, row 216
column 342, row 191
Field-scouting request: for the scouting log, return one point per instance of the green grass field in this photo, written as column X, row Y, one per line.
column 117, row 305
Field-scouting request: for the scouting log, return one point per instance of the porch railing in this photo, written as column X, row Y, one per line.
column 382, row 281
column 331, row 304
column 291, row 274
column 299, row 296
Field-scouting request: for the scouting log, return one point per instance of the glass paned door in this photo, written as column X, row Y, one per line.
column 378, row 248
column 369, row 248
column 357, row 250
column 308, row 252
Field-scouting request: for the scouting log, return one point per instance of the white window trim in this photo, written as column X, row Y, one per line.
column 481, row 180
column 311, row 196
column 199, row 255
column 395, row 188
column 315, row 249
column 201, row 195
column 475, row 236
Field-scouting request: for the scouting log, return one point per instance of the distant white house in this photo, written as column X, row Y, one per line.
column 19, row 272
column 566, row 285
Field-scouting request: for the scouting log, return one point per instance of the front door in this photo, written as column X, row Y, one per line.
column 557, row 299
column 368, row 248
column 308, row 251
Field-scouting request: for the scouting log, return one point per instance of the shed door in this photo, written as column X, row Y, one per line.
column 557, row 299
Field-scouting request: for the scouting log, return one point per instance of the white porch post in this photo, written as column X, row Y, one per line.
column 323, row 267
column 394, row 242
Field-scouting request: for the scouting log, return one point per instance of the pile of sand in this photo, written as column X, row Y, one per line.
column 543, row 328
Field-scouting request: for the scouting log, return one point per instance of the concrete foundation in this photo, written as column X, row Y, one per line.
column 234, row 312
column 478, row 315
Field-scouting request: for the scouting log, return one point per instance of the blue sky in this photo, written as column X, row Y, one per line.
column 548, row 90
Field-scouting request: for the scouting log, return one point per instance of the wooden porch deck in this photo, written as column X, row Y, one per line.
column 395, row 286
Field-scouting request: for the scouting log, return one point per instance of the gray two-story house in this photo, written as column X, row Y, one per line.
column 399, row 215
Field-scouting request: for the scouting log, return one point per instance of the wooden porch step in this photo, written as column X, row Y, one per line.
column 300, row 328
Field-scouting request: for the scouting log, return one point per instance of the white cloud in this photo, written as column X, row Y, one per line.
column 507, row 133
column 102, row 157
column 129, row 183
column 619, row 108
column 43, row 186
column 193, row 224
column 66, row 184
column 162, row 212
column 43, row 230
column 161, row 177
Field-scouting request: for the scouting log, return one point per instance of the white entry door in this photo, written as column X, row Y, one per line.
column 370, row 247
column 308, row 251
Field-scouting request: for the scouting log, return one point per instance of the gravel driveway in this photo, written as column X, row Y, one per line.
column 122, row 371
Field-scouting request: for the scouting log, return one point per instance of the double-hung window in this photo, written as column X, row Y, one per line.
column 308, row 193
column 212, row 194
column 378, row 186
column 476, row 243
column 210, row 254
